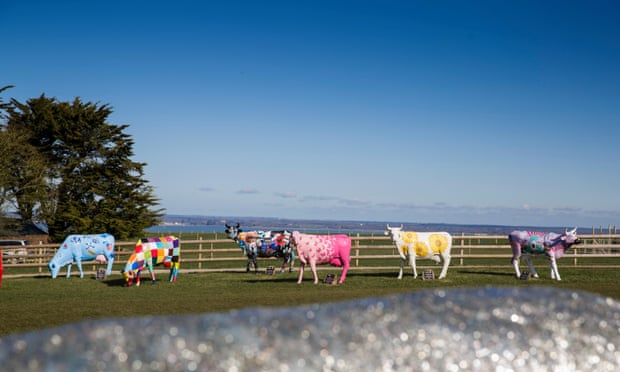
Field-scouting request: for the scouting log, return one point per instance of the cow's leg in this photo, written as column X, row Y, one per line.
column 412, row 263
column 68, row 269
column 530, row 264
column 516, row 254
column 302, row 265
column 345, row 269
column 402, row 264
column 110, row 262
column 173, row 269
column 515, row 264
column 79, row 265
column 149, row 265
column 446, row 262
column 138, row 277
column 284, row 261
column 554, row 268
column 315, row 276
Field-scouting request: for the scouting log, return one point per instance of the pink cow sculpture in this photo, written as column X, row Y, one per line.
column 552, row 245
column 322, row 249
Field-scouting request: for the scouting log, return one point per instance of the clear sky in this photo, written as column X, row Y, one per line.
column 470, row 112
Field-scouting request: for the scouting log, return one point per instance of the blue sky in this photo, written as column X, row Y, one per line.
column 472, row 112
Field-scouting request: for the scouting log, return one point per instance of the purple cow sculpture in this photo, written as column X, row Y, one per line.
column 552, row 245
column 322, row 249
column 78, row 248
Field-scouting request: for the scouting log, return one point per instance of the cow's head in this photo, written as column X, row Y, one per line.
column 62, row 257
column 394, row 232
column 54, row 268
column 295, row 236
column 232, row 232
column 570, row 237
column 128, row 275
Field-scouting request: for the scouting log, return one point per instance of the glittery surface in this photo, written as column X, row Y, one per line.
column 485, row 329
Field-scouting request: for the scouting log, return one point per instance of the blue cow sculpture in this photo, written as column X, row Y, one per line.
column 78, row 248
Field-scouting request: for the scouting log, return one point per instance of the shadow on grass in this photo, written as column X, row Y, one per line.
column 491, row 273
column 120, row 282
column 375, row 274
column 262, row 277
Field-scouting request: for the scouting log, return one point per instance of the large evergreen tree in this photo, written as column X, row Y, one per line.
column 91, row 183
column 5, row 161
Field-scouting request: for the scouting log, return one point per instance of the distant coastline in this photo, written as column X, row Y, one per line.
column 194, row 223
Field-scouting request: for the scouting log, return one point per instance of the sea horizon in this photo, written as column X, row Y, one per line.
column 213, row 224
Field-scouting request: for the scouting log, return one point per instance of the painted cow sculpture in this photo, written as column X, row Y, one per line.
column 322, row 249
column 263, row 244
column 552, row 245
column 435, row 246
column 78, row 248
column 148, row 252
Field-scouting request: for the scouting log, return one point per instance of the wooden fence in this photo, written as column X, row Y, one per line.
column 369, row 252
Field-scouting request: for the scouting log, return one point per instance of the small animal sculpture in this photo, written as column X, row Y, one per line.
column 435, row 246
column 552, row 245
column 263, row 244
column 78, row 248
column 322, row 249
column 149, row 252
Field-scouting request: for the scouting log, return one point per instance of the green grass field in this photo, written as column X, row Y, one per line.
column 33, row 303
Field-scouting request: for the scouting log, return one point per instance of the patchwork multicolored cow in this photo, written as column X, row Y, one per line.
column 78, row 248
column 322, row 249
column 263, row 244
column 435, row 246
column 149, row 252
column 552, row 245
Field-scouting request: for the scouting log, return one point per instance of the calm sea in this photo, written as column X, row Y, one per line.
column 185, row 229
column 172, row 229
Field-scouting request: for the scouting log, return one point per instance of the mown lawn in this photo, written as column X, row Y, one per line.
column 28, row 304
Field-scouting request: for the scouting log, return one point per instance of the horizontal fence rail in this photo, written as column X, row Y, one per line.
column 368, row 252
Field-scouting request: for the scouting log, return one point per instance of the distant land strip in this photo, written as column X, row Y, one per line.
column 272, row 223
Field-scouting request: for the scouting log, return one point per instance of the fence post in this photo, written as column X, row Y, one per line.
column 575, row 256
column 40, row 257
column 462, row 247
column 357, row 250
column 200, row 254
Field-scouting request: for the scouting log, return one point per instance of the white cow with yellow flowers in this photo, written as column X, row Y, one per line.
column 435, row 246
